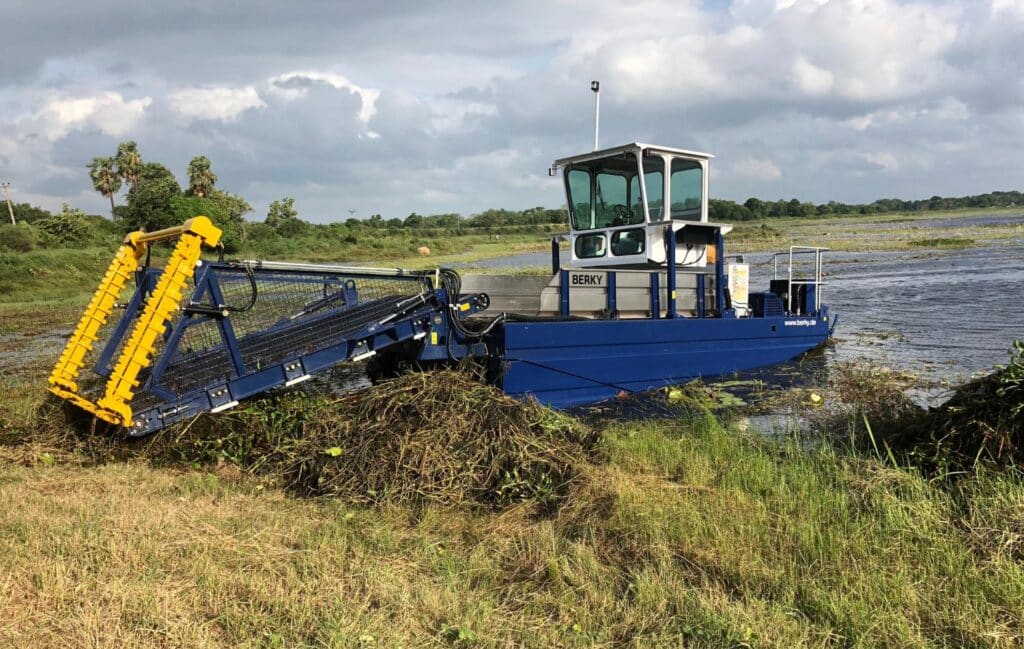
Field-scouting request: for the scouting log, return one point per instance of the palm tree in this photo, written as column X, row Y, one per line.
column 105, row 179
column 129, row 162
column 200, row 178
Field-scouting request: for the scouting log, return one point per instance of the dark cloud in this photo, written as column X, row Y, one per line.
column 403, row 106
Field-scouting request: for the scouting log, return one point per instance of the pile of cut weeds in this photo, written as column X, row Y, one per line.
column 424, row 437
column 983, row 420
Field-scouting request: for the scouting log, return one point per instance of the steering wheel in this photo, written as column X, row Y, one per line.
column 623, row 215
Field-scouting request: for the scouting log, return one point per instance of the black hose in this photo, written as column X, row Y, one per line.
column 222, row 310
column 252, row 296
column 452, row 283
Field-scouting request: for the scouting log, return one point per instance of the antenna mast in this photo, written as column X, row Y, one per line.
column 595, row 87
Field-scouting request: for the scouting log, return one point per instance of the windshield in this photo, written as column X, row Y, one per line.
column 604, row 193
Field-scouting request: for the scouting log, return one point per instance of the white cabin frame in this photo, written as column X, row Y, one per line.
column 691, row 250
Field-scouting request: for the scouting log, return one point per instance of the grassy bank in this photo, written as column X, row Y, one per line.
column 680, row 532
column 893, row 231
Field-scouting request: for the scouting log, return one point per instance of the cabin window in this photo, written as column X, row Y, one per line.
column 589, row 246
column 579, row 198
column 654, row 183
column 686, row 187
column 612, row 206
column 628, row 242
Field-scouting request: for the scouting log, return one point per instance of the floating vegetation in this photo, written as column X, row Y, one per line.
column 955, row 243
column 982, row 421
column 697, row 396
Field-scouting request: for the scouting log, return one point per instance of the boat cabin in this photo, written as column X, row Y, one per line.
column 620, row 200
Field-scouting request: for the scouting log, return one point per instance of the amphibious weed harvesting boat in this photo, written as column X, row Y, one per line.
column 649, row 299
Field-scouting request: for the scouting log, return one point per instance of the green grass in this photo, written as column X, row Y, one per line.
column 684, row 533
column 57, row 275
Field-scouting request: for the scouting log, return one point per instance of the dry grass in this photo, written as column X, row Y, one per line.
column 441, row 437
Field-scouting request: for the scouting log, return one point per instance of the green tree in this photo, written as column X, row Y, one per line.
column 224, row 209
column 25, row 213
column 105, row 179
column 281, row 212
column 149, row 199
column 129, row 162
column 757, row 207
column 200, row 177
column 234, row 208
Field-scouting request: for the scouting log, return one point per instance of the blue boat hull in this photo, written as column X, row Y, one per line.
column 566, row 364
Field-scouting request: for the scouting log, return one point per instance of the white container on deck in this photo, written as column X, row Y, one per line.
column 739, row 287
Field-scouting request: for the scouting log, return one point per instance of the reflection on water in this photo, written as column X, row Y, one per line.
column 943, row 314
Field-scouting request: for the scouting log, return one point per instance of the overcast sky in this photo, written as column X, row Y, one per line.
column 394, row 107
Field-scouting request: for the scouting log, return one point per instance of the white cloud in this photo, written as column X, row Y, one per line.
column 885, row 160
column 438, row 195
column 895, row 92
column 756, row 169
column 859, row 123
column 780, row 5
column 219, row 103
column 811, row 79
column 449, row 114
column 108, row 111
column 1013, row 6
column 287, row 86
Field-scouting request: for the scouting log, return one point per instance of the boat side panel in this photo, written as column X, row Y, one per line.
column 571, row 363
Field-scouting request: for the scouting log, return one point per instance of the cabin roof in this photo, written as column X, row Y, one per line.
column 632, row 147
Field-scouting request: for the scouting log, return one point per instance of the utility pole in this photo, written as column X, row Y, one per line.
column 595, row 87
column 7, row 197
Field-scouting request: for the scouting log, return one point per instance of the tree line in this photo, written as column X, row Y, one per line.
column 755, row 208
column 154, row 200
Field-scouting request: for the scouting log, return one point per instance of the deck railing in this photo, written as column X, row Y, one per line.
column 799, row 275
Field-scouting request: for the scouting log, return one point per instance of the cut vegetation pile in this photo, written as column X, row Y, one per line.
column 982, row 420
column 441, row 437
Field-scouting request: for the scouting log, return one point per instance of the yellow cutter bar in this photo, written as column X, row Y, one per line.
column 136, row 354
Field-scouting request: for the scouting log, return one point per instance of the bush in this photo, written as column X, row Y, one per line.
column 18, row 238
column 69, row 228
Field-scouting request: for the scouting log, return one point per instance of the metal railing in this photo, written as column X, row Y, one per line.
column 815, row 279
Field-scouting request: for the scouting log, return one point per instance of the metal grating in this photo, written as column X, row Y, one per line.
column 295, row 313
